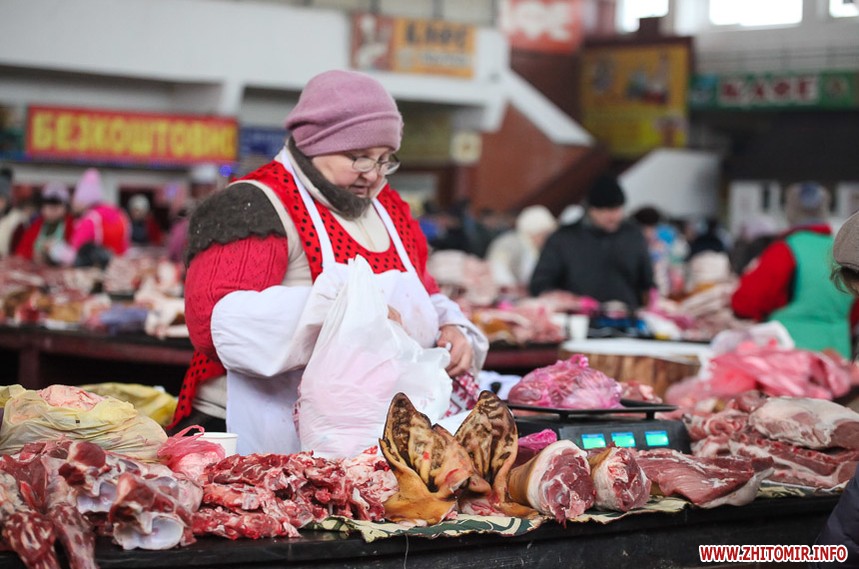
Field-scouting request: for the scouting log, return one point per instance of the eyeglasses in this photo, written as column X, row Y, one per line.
column 365, row 164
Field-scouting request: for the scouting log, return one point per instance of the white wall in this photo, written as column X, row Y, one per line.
column 680, row 183
column 817, row 43
column 224, row 47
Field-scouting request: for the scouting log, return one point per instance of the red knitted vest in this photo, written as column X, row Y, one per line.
column 276, row 177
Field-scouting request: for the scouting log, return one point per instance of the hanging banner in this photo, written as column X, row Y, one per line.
column 404, row 45
column 634, row 95
column 95, row 135
column 823, row 90
column 546, row 26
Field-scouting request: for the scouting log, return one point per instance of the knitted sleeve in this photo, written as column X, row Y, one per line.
column 766, row 286
column 254, row 263
column 238, row 212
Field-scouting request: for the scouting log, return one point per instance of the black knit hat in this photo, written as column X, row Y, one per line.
column 606, row 193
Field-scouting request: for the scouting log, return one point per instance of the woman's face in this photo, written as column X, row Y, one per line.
column 53, row 211
column 337, row 169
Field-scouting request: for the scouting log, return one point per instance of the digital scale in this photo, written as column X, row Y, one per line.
column 632, row 426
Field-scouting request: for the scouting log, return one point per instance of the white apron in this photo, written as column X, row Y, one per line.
column 260, row 410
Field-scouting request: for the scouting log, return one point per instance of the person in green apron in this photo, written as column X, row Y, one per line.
column 790, row 281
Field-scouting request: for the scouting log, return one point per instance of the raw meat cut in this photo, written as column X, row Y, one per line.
column 49, row 497
column 25, row 531
column 811, row 423
column 706, row 482
column 701, row 425
column 556, row 482
column 795, row 465
column 142, row 505
column 567, row 384
column 146, row 514
column 269, row 495
column 489, row 436
column 530, row 445
column 619, row 480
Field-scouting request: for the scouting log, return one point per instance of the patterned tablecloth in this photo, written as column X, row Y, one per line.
column 507, row 526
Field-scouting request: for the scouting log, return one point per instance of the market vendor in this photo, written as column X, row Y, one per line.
column 790, row 280
column 256, row 248
column 602, row 255
column 842, row 527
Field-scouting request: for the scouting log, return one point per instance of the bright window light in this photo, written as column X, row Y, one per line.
column 755, row 12
column 629, row 12
column 843, row 8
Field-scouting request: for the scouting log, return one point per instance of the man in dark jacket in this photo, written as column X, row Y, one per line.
column 602, row 255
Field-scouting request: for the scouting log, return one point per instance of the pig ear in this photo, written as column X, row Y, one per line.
column 491, row 421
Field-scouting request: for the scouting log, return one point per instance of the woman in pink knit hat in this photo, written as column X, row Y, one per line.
column 256, row 248
column 99, row 226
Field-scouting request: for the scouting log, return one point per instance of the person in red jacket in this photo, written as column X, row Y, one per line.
column 790, row 281
column 101, row 229
column 53, row 225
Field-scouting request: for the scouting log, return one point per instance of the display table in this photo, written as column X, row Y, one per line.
column 635, row 542
column 36, row 357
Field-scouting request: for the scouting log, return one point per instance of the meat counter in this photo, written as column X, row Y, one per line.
column 37, row 357
column 634, row 542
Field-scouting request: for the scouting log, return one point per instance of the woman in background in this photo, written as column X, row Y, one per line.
column 54, row 224
column 100, row 229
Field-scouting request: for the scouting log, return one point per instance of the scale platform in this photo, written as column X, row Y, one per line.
column 633, row 426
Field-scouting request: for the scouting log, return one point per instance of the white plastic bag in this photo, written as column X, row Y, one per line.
column 360, row 361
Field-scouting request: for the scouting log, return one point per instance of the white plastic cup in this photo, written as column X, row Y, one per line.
column 559, row 319
column 577, row 326
column 226, row 440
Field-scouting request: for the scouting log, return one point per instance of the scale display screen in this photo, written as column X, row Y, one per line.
column 593, row 440
column 656, row 438
column 623, row 439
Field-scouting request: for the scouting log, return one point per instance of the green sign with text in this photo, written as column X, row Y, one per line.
column 819, row 90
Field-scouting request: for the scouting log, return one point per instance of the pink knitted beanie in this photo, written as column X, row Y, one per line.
column 87, row 190
column 344, row 110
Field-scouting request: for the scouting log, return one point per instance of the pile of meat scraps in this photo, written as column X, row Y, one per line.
column 813, row 442
column 567, row 384
column 268, row 495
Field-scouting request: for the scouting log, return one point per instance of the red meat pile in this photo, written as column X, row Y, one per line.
column 567, row 384
column 267, row 495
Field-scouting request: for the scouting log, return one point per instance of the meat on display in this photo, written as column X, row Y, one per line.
column 805, row 422
column 706, row 482
column 620, row 482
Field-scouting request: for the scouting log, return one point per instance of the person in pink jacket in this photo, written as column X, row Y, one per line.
column 98, row 226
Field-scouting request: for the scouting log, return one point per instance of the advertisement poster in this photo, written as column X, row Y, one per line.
column 404, row 45
column 96, row 135
column 545, row 26
column 634, row 96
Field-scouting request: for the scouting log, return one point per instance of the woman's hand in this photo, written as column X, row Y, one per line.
column 394, row 315
column 461, row 352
